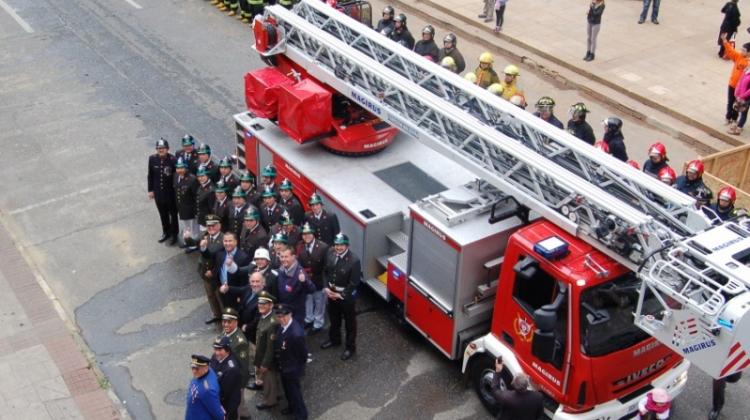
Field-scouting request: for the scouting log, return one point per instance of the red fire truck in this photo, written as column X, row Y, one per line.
column 493, row 233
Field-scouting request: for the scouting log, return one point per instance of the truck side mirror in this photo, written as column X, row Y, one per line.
column 543, row 345
column 526, row 268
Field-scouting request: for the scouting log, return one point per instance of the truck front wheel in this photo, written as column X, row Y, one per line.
column 482, row 373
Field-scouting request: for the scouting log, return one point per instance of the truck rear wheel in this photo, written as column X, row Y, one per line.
column 482, row 373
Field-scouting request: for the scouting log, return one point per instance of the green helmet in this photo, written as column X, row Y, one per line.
column 204, row 149
column 225, row 162
column 247, row 177
column 307, row 228
column 285, row 185
column 188, row 140
column 268, row 192
column 341, row 239
column 315, row 199
column 181, row 164
column 285, row 221
column 202, row 171
column 220, row 187
column 280, row 237
column 269, row 171
column 252, row 214
column 238, row 192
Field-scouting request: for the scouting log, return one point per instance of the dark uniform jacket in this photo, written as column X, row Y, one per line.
column 290, row 350
column 252, row 197
column 241, row 351
column 160, row 173
column 271, row 218
column 236, row 219
column 202, row 400
column 582, row 130
column 725, row 214
column 342, row 275
column 191, row 159
column 206, row 260
column 326, row 227
column 264, row 336
column 402, row 37
column 230, row 385
column 231, row 181
column 616, row 143
column 653, row 169
column 519, row 405
column 314, row 261
column 295, row 209
column 456, row 56
column 385, row 27
column 248, row 309
column 293, row 292
column 250, row 240
column 213, row 170
column 686, row 186
column 552, row 120
column 271, row 275
column 427, row 48
column 294, row 236
column 221, row 210
column 204, row 202
column 184, row 188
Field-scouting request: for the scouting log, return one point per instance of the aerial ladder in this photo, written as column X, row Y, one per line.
column 699, row 273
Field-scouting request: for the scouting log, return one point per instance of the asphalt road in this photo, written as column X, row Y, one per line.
column 86, row 87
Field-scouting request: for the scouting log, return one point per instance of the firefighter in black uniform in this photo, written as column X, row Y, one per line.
column 401, row 33
column 342, row 276
column 226, row 176
column 253, row 235
column 270, row 210
column 291, row 203
column 268, row 178
column 188, row 153
column 325, row 225
column 228, row 373
column 221, row 205
column 161, row 166
column 290, row 354
column 204, row 197
column 247, row 183
column 184, row 187
column 205, row 161
column 385, row 25
column 289, row 229
column 237, row 211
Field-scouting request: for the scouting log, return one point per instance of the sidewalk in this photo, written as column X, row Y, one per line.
column 672, row 67
column 43, row 373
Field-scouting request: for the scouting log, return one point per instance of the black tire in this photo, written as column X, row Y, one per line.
column 481, row 373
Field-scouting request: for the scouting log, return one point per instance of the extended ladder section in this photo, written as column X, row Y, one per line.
column 630, row 216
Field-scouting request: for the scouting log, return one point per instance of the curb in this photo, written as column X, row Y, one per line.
column 700, row 146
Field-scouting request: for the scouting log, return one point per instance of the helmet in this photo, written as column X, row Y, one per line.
column 221, row 187
column 602, row 145
column 252, row 214
column 267, row 193
column 262, row 254
column 307, row 228
column 400, row 18
column 518, row 100
column 315, row 199
column 727, row 193
column 181, row 163
column 204, row 149
column 496, row 88
column 188, row 140
column 448, row 63
column 388, row 10
column 703, row 194
column 613, row 123
column 285, row 185
column 269, row 171
column 658, row 149
column 341, row 239
column 450, row 38
column 695, row 166
column 634, row 164
column 247, row 177
column 162, row 144
column 486, row 58
column 429, row 30
column 202, row 171
column 238, row 192
column 280, row 237
column 286, row 221
column 512, row 70
column 470, row 76
column 578, row 109
column 545, row 102
column 667, row 175
column 225, row 163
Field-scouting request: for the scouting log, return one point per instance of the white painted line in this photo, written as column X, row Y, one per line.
column 51, row 200
column 130, row 2
column 25, row 25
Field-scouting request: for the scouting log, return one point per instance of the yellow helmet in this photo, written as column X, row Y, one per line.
column 470, row 76
column 512, row 70
column 448, row 62
column 496, row 88
column 486, row 58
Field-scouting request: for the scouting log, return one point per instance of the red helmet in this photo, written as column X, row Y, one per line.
column 602, row 145
column 695, row 166
column 727, row 193
column 667, row 175
column 658, row 149
column 634, row 164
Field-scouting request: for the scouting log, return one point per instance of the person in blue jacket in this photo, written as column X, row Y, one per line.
column 202, row 400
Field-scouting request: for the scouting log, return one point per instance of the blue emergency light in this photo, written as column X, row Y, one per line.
column 552, row 248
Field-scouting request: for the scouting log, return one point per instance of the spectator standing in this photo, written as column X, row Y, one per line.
column 654, row 11
column 719, row 386
column 499, row 14
column 594, row 18
column 741, row 102
column 487, row 11
column 740, row 60
column 729, row 25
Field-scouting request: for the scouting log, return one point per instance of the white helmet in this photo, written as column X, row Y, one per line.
column 262, row 253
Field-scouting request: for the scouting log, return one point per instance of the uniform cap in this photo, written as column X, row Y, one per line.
column 247, row 177
column 307, row 228
column 223, row 343
column 286, row 221
column 315, row 199
column 280, row 237
column 282, row 309
column 162, row 144
column 202, row 171
column 230, row 313
column 265, row 297
column 204, row 149
column 268, row 192
column 238, row 192
column 198, row 360
column 285, row 185
column 262, row 253
column 252, row 214
column 181, row 163
column 188, row 140
column 225, row 162
column 341, row 239
column 221, row 187
column 212, row 219
column 269, row 171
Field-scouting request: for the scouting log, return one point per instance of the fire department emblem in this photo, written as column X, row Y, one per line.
column 523, row 328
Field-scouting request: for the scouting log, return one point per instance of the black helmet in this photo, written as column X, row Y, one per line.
column 612, row 123
column 388, row 10
column 400, row 18
column 545, row 102
column 429, row 30
column 450, row 38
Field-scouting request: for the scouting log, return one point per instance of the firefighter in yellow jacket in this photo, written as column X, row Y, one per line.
column 485, row 74
column 510, row 82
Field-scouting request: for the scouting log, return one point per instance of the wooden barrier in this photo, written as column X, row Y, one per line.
column 730, row 167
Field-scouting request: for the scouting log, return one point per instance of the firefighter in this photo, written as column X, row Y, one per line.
column 496, row 89
column 188, row 153
column 518, row 99
column 657, row 159
column 251, row 8
column 577, row 125
column 279, row 242
column 184, row 187
column 268, row 178
column 270, row 211
column 211, row 243
column 231, row 6
column 450, row 50
column 205, row 161
column 326, row 225
column 286, row 3
column 221, row 205
column 510, row 82
column 450, row 64
column 724, row 206
column 237, row 212
column 400, row 32
column 262, row 265
column 667, row 175
column 693, row 178
column 226, row 176
column 289, row 202
column 204, row 198
column 614, row 139
column 161, row 167
column 471, row 77
column 247, row 183
column 545, row 109
column 486, row 75
column 312, row 256
column 290, row 230
column 342, row 274
column 253, row 235
column 426, row 47
column 385, row 25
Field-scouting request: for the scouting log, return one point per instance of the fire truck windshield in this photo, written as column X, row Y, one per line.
column 607, row 316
